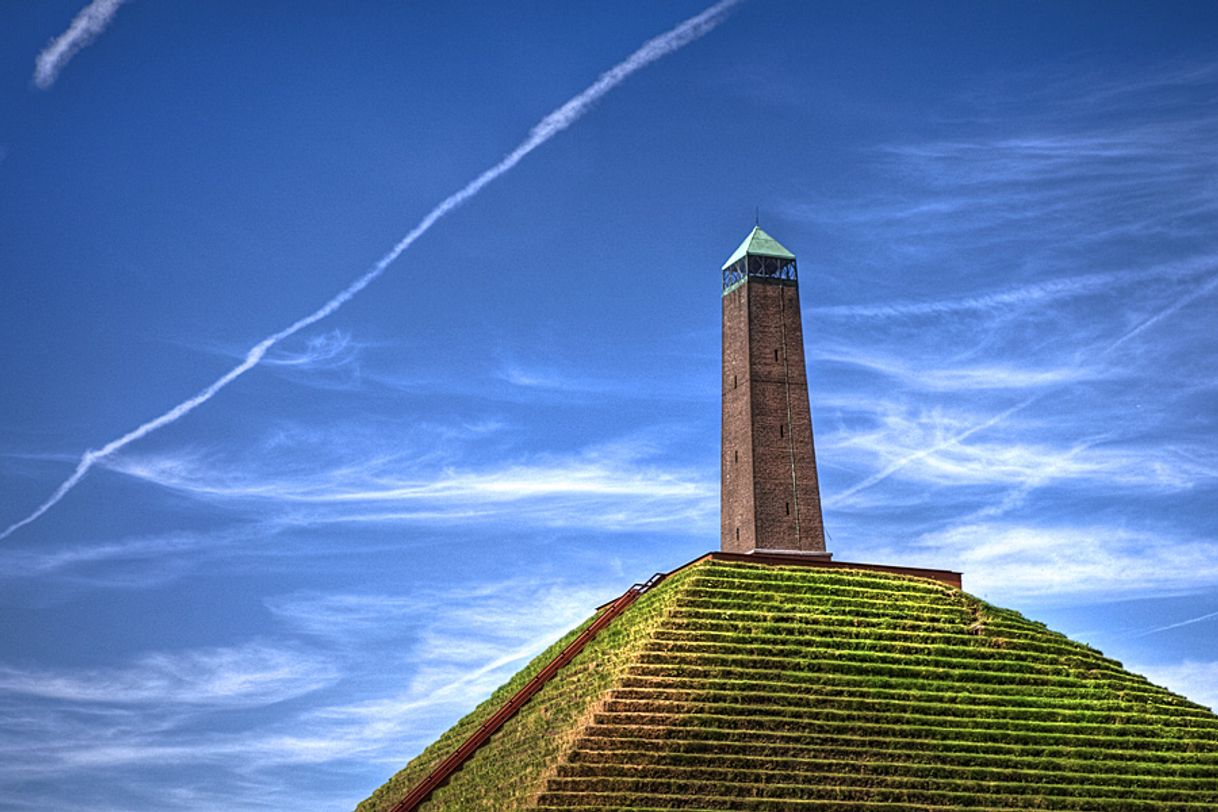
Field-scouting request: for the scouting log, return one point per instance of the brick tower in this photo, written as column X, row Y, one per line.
column 769, row 491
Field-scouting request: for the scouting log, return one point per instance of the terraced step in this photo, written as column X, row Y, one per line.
column 726, row 727
column 877, row 761
column 802, row 582
column 750, row 621
column 958, row 704
column 871, row 638
column 829, row 683
column 913, row 652
column 934, row 791
column 724, row 598
column 759, row 598
column 604, row 802
column 778, row 689
column 776, row 744
column 753, row 715
column 954, row 671
column 920, row 778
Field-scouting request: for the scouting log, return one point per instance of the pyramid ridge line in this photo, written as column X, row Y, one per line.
column 691, row 681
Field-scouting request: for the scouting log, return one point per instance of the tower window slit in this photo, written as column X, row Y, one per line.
column 775, row 355
column 788, row 508
column 737, row 454
column 737, row 534
column 782, row 430
column 734, row 382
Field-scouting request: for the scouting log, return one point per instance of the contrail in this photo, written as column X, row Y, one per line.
column 926, row 452
column 550, row 126
column 1184, row 300
column 1188, row 622
column 1208, row 287
column 91, row 21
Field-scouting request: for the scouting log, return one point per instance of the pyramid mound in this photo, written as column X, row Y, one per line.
column 738, row 686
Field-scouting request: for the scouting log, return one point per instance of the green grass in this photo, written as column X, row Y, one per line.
column 738, row 686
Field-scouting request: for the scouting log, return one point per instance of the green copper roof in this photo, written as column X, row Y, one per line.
column 759, row 244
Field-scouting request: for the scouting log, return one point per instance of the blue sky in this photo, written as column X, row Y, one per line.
column 1005, row 216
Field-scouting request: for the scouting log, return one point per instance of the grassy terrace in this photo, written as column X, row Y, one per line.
column 737, row 686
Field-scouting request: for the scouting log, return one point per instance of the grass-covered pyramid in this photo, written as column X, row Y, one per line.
column 737, row 686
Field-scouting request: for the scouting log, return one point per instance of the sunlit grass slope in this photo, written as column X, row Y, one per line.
column 737, row 686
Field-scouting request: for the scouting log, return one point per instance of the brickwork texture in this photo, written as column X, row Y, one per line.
column 769, row 490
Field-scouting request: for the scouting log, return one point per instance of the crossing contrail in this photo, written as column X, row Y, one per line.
column 893, row 467
column 550, row 126
column 86, row 26
column 1188, row 622
column 1203, row 290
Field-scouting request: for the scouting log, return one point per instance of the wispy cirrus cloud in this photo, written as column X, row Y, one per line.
column 333, row 361
column 277, row 497
column 943, row 445
column 929, row 455
column 596, row 380
column 1012, row 561
column 1197, row 680
column 618, row 485
column 1040, row 197
column 404, row 677
column 325, row 351
column 79, row 558
column 551, row 379
column 86, row 26
column 552, row 125
column 926, row 457
column 1020, row 300
column 1166, row 86
column 1074, row 190
column 343, row 615
column 962, row 377
column 1086, row 249
column 475, row 640
column 244, row 676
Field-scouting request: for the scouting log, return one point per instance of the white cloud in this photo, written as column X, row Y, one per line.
column 1196, row 680
column 327, row 350
column 474, row 641
column 534, row 377
column 553, row 124
column 155, row 710
column 137, row 562
column 945, row 377
column 23, row 564
column 86, row 26
column 1009, row 559
column 342, row 616
column 941, row 446
column 1019, row 297
column 612, row 486
column 243, row 676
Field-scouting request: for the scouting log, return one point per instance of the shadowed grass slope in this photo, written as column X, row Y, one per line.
column 737, row 686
